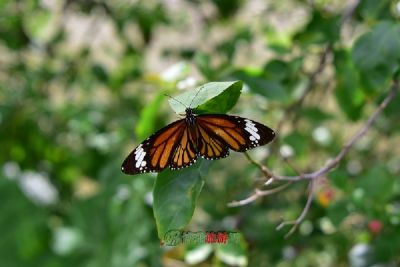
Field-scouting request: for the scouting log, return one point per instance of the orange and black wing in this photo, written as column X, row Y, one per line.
column 218, row 132
column 209, row 146
column 186, row 151
column 157, row 151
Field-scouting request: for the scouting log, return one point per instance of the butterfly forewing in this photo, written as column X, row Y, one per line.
column 155, row 153
column 237, row 133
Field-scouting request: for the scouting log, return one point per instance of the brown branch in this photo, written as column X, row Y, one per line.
column 313, row 176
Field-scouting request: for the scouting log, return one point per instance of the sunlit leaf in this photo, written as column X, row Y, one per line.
column 38, row 24
column 213, row 97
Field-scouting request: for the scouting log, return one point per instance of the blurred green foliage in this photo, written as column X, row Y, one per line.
column 83, row 82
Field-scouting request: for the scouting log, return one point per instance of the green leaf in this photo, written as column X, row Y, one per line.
column 377, row 185
column 227, row 8
column 213, row 97
column 315, row 114
column 203, row 63
column 23, row 228
column 370, row 10
column 229, row 47
column 296, row 140
column 175, row 194
column 348, row 92
column 377, row 46
column 387, row 246
column 12, row 32
column 376, row 54
column 36, row 25
column 278, row 42
column 100, row 73
column 271, row 89
column 277, row 69
column 287, row 73
column 337, row 212
column 145, row 125
column 392, row 111
column 377, row 79
column 322, row 28
column 340, row 179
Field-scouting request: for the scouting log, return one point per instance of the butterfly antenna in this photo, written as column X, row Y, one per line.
column 195, row 96
column 173, row 98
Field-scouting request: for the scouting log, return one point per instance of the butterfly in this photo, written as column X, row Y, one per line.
column 210, row 136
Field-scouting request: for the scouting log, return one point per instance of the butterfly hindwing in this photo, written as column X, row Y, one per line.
column 208, row 146
column 154, row 154
column 237, row 133
column 186, row 152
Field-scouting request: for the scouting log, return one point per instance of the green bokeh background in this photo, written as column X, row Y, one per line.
column 82, row 82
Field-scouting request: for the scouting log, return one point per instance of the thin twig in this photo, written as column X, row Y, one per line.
column 292, row 166
column 295, row 224
column 267, row 173
column 258, row 193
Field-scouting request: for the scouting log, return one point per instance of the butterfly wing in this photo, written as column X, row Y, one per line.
column 186, row 151
column 208, row 146
column 155, row 153
column 234, row 132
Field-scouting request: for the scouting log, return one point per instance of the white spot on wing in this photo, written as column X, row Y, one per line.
column 139, row 156
column 138, row 151
column 251, row 125
column 251, row 128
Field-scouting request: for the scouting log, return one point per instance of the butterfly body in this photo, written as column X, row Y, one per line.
column 210, row 136
column 190, row 117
